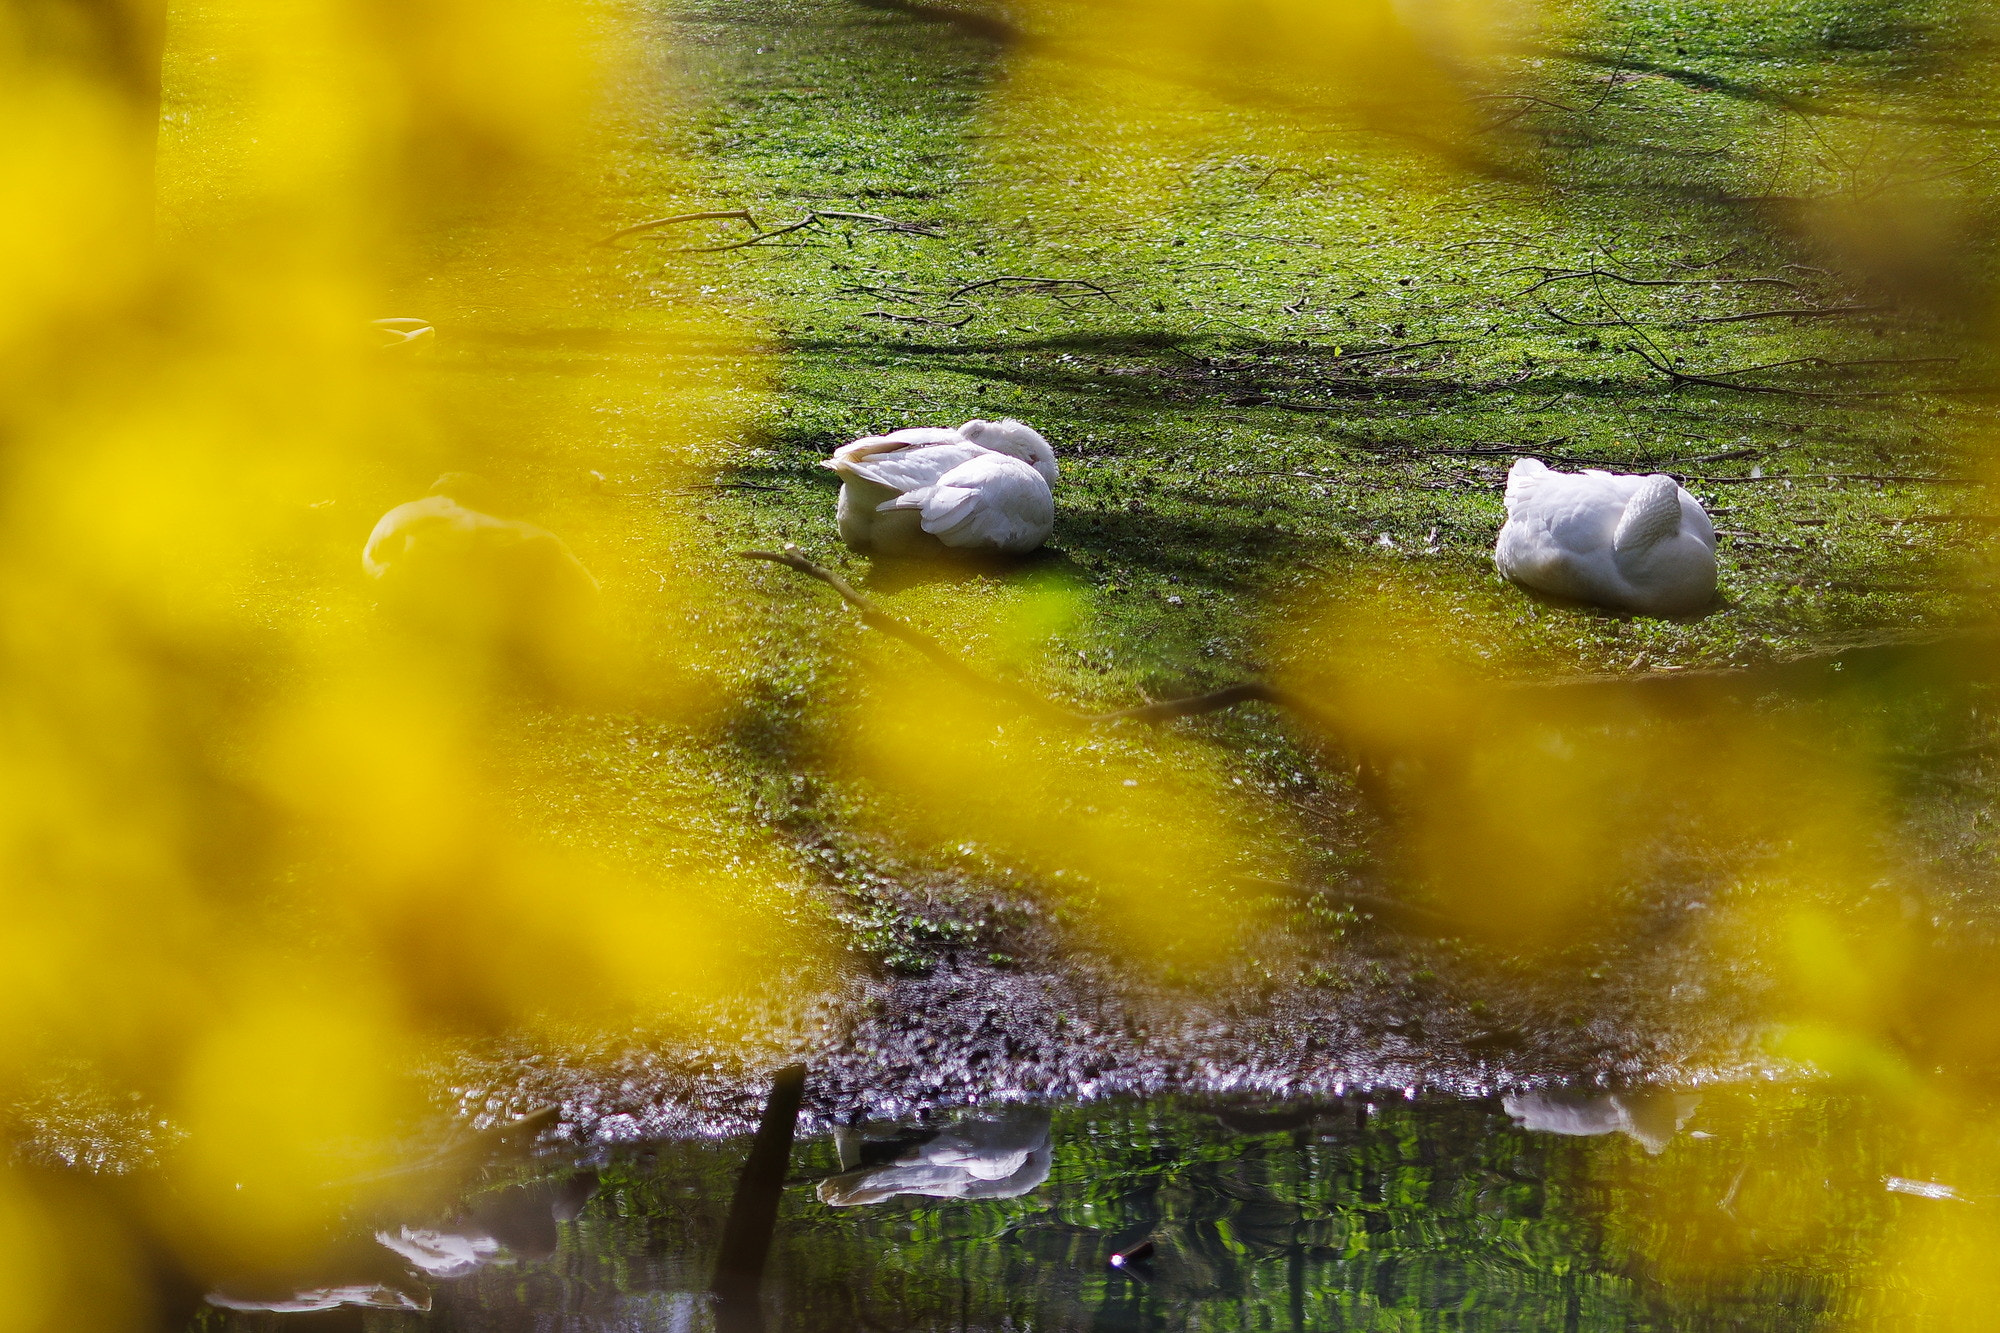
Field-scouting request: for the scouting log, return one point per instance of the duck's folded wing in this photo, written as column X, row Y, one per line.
column 994, row 502
column 904, row 469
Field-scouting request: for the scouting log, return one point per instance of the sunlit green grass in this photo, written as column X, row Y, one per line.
column 1291, row 370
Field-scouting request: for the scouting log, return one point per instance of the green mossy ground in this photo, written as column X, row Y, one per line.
column 1287, row 371
column 1281, row 371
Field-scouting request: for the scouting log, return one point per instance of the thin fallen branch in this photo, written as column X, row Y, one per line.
column 1566, row 275
column 1391, row 351
column 1841, row 476
column 674, row 221
column 875, row 617
column 812, row 216
column 1935, row 518
column 1528, row 105
column 1682, row 377
column 983, row 283
column 806, row 221
column 1276, row 172
column 1804, row 312
column 887, row 224
column 919, row 319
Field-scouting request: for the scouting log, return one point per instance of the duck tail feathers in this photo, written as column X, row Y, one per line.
column 1651, row 515
column 1523, row 478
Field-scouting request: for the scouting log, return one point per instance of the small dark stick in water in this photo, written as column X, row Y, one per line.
column 1137, row 1254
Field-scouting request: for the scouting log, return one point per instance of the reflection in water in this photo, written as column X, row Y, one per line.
column 516, row 1223
column 1647, row 1114
column 369, row 1296
column 1421, row 1215
column 994, row 1156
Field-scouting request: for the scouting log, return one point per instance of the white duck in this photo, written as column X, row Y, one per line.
column 1638, row 544
column 983, row 487
column 504, row 591
column 440, row 538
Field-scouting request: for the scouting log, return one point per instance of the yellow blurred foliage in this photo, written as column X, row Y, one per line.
column 1526, row 806
column 1109, row 103
column 1137, row 828
column 259, row 844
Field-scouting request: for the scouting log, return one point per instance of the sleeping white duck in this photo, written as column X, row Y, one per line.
column 986, row 486
column 504, row 591
column 442, row 548
column 1637, row 544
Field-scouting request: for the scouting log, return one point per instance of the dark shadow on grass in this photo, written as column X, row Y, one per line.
column 892, row 574
column 1559, row 603
column 1199, row 550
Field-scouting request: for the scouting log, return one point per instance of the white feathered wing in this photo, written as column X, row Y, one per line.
column 993, row 502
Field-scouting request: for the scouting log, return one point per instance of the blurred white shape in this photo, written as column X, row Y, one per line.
column 368, row 1295
column 1923, row 1189
column 981, row 1156
column 403, row 332
column 440, row 1253
column 1650, row 1116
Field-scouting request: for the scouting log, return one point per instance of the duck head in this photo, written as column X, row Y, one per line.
column 1009, row 436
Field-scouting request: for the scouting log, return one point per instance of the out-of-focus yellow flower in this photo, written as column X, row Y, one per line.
column 1135, row 828
column 1109, row 103
column 260, row 838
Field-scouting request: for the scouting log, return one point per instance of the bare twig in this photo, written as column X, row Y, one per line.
column 875, row 617
column 1683, row 377
column 1084, row 283
column 1276, row 172
column 1528, row 104
column 676, row 220
column 887, row 224
column 1808, row 312
column 761, row 237
column 1391, row 351
column 1896, row 477
column 918, row 319
column 813, row 216
column 1550, row 275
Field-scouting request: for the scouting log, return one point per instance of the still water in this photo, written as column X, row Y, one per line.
column 1765, row 1208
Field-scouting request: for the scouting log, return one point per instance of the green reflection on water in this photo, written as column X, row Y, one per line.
column 1756, row 1209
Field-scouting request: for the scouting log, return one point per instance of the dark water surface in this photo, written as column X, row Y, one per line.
column 1746, row 1208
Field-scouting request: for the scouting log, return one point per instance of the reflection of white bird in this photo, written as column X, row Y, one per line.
column 999, row 1156
column 518, row 1222
column 985, row 486
column 1651, row 1116
column 440, row 1253
column 1639, row 544
column 403, row 332
column 367, row 1295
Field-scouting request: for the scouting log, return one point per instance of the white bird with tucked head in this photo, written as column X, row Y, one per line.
column 986, row 486
column 441, row 543
column 1637, row 544
column 496, row 587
